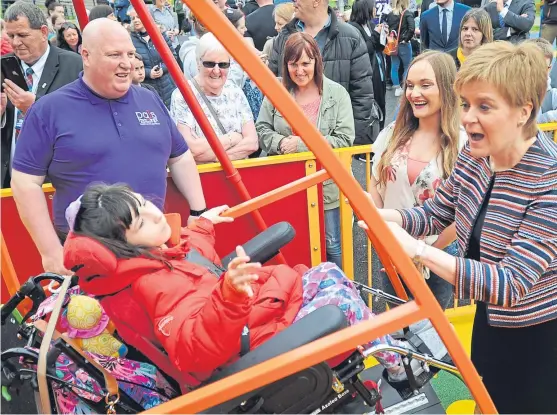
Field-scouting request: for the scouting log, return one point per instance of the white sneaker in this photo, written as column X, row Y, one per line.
column 398, row 91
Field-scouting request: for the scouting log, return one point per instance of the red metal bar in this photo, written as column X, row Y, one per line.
column 81, row 12
column 176, row 72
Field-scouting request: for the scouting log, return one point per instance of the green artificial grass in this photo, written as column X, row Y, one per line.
column 449, row 389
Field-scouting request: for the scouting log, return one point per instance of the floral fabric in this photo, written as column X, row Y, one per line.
column 326, row 284
column 231, row 107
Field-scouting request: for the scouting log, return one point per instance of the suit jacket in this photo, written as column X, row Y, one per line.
column 61, row 68
column 520, row 26
column 430, row 29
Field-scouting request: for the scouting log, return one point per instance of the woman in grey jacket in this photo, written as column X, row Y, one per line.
column 327, row 105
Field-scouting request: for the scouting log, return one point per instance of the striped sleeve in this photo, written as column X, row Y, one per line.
column 436, row 214
column 532, row 250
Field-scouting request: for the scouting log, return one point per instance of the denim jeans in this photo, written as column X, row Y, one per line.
column 404, row 56
column 442, row 290
column 332, row 236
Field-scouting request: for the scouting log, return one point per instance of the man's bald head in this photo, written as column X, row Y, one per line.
column 99, row 31
column 108, row 56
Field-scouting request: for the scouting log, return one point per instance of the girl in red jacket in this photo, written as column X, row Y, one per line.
column 150, row 292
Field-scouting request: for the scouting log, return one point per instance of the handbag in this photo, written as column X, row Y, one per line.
column 209, row 106
column 391, row 48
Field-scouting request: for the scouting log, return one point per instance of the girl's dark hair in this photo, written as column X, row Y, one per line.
column 106, row 212
column 294, row 47
column 62, row 44
column 233, row 15
column 100, row 11
column 186, row 26
column 362, row 11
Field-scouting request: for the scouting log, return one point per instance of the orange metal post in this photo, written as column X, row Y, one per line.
column 8, row 270
column 215, row 21
column 291, row 362
column 166, row 55
column 277, row 194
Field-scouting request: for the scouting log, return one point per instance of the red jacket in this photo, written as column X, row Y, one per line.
column 185, row 310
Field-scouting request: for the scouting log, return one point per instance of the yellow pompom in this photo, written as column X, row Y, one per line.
column 83, row 312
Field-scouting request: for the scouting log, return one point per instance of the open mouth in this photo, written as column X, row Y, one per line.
column 123, row 75
column 475, row 137
column 419, row 104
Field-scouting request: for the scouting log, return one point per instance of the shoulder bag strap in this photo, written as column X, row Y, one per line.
column 400, row 25
column 211, row 109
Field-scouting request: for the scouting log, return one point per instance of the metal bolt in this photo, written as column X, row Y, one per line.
column 315, row 248
column 51, row 197
column 346, row 200
column 313, row 204
column 310, row 165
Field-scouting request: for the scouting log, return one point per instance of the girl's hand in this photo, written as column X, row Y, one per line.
column 241, row 273
column 214, row 215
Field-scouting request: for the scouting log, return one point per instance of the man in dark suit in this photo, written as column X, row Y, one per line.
column 511, row 19
column 47, row 68
column 440, row 25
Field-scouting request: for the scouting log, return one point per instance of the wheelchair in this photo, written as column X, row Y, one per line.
column 341, row 385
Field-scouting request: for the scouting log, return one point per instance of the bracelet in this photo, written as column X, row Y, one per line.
column 420, row 250
column 197, row 212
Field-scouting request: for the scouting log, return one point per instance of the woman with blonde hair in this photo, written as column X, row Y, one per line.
column 400, row 19
column 283, row 13
column 502, row 194
column 418, row 151
column 475, row 30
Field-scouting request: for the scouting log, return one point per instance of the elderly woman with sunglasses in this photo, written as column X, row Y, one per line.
column 224, row 104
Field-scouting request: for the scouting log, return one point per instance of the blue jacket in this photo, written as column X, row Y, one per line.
column 164, row 85
column 430, row 30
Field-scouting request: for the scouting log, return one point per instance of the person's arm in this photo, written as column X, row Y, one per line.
column 33, row 211
column 247, row 145
column 411, row 25
column 517, row 21
column 360, row 88
column 269, row 139
column 424, row 34
column 374, row 193
column 447, row 237
column 200, row 147
column 343, row 131
column 186, row 178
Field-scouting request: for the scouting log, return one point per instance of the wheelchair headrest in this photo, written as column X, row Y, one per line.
column 88, row 257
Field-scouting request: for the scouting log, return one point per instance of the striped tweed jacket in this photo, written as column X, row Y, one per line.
column 517, row 275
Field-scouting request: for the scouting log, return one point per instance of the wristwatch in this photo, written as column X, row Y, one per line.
column 420, row 250
column 197, row 212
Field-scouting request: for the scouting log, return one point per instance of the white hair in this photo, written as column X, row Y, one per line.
column 208, row 43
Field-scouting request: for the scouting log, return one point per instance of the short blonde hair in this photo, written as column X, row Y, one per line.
column 543, row 45
column 518, row 72
column 285, row 11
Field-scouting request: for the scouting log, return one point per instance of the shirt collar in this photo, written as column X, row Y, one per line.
column 449, row 8
column 95, row 98
column 38, row 66
column 300, row 25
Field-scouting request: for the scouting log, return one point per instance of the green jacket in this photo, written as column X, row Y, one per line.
column 335, row 122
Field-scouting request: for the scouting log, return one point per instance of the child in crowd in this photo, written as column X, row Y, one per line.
column 138, row 74
column 548, row 110
column 119, row 238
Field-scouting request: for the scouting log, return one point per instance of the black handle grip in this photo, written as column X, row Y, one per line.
column 11, row 305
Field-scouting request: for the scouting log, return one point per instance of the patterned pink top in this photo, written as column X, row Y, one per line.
column 311, row 110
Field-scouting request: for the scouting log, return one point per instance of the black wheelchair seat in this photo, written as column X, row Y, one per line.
column 299, row 393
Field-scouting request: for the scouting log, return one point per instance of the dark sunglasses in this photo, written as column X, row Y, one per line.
column 211, row 64
column 68, row 26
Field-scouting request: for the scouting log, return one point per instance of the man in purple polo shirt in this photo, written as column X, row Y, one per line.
column 97, row 128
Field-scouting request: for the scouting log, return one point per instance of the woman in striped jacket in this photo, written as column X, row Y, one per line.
column 502, row 195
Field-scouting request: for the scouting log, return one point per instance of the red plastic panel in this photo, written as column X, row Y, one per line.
column 218, row 191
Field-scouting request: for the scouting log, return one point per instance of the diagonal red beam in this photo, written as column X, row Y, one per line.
column 81, row 12
column 175, row 71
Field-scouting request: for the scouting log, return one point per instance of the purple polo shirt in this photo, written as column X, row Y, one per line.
column 75, row 137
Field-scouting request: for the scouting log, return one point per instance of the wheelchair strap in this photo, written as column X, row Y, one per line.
column 195, row 257
column 244, row 341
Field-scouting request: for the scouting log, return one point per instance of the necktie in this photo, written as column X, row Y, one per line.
column 19, row 120
column 444, row 26
column 501, row 18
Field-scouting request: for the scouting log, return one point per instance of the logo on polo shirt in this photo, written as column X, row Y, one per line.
column 147, row 118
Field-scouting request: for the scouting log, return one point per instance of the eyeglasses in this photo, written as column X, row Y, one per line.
column 211, row 64
column 68, row 25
